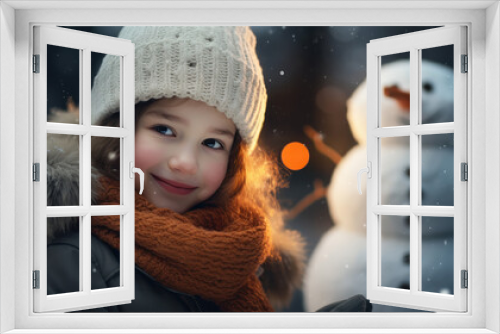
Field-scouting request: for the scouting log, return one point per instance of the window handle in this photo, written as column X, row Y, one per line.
column 368, row 171
column 133, row 170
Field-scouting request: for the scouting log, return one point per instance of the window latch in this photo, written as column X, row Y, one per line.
column 133, row 170
column 368, row 171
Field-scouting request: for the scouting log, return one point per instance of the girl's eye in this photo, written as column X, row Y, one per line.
column 213, row 143
column 164, row 130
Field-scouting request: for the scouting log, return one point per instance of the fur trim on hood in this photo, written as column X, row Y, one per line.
column 280, row 275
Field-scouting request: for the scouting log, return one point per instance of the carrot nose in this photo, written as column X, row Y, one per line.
column 401, row 97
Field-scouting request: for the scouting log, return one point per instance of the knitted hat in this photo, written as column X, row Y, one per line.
column 215, row 65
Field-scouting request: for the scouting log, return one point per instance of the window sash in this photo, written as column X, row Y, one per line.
column 413, row 43
column 86, row 43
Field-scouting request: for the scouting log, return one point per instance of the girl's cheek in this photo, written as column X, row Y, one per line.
column 146, row 156
column 214, row 175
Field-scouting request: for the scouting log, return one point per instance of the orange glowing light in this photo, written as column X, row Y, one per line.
column 295, row 156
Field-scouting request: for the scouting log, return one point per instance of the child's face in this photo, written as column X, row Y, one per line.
column 182, row 146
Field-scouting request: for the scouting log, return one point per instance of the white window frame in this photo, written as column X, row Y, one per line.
column 483, row 21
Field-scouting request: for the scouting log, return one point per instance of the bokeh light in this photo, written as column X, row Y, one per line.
column 295, row 156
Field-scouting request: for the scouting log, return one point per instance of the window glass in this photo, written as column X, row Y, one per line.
column 437, row 254
column 63, row 84
column 395, row 90
column 63, row 265
column 437, row 170
column 437, row 85
column 395, row 263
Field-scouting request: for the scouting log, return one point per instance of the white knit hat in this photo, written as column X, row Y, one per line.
column 215, row 65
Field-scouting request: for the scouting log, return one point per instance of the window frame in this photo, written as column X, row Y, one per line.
column 482, row 19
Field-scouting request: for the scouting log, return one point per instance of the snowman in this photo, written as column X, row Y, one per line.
column 337, row 268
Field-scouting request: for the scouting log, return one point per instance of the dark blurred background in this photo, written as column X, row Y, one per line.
column 310, row 72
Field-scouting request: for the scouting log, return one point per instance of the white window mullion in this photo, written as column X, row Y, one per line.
column 75, row 129
column 81, row 131
column 419, row 129
column 419, row 210
column 373, row 183
column 85, row 167
column 433, row 129
column 415, row 107
column 127, row 227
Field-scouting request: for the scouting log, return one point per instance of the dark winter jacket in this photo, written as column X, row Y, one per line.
column 150, row 296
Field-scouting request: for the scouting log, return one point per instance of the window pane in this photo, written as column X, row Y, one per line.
column 437, row 170
column 395, row 171
column 437, row 85
column 63, row 255
column 108, row 228
column 106, row 153
column 63, row 170
column 106, row 97
column 437, row 254
column 63, row 84
column 395, row 262
column 395, row 90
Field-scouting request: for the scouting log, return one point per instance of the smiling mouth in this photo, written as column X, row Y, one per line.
column 173, row 187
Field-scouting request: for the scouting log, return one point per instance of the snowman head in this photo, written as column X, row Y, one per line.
column 437, row 97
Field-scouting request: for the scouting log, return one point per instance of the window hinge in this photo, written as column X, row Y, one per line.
column 465, row 279
column 465, row 64
column 465, row 171
column 36, row 279
column 36, row 172
column 36, row 63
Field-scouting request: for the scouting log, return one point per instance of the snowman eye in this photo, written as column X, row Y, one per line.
column 427, row 87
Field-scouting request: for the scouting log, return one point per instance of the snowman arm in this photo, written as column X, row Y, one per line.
column 324, row 149
column 318, row 193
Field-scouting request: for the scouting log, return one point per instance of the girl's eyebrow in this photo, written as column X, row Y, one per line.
column 222, row 132
column 179, row 119
column 168, row 116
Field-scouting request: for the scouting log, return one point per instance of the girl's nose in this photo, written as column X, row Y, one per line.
column 183, row 161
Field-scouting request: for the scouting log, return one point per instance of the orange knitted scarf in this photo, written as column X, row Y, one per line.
column 213, row 253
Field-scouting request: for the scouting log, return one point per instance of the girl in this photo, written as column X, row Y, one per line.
column 209, row 231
